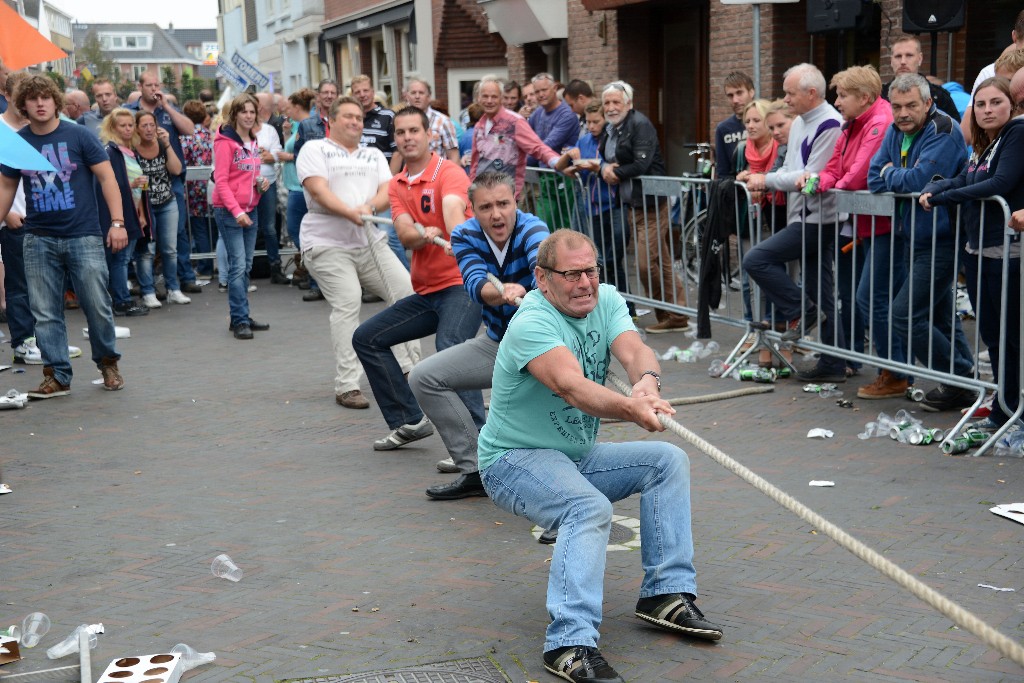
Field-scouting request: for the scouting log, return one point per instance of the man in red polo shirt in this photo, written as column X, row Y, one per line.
column 430, row 193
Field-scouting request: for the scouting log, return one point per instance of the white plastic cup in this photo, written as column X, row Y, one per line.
column 11, row 631
column 223, row 567
column 190, row 658
column 33, row 628
column 69, row 645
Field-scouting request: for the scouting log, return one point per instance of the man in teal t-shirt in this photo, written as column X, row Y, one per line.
column 539, row 458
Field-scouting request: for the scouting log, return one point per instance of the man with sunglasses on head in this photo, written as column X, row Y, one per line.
column 539, row 457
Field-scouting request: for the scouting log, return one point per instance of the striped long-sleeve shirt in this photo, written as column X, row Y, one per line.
column 476, row 256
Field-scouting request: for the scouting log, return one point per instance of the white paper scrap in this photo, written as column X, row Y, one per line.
column 819, row 433
column 996, row 588
column 817, row 482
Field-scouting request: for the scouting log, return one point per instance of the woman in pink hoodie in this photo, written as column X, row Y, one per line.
column 867, row 118
column 237, row 189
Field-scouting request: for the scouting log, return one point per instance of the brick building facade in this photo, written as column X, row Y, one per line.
column 676, row 53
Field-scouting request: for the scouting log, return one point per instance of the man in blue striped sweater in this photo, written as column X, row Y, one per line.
column 500, row 241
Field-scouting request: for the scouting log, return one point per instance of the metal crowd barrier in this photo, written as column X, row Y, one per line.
column 669, row 220
column 208, row 229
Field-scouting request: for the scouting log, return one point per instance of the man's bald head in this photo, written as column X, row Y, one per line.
column 1017, row 89
column 266, row 109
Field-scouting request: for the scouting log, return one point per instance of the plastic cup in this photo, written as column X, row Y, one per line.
column 190, row 658
column 11, row 631
column 145, row 182
column 70, row 645
column 33, row 628
column 223, row 567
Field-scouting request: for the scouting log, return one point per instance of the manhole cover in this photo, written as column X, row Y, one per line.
column 480, row 670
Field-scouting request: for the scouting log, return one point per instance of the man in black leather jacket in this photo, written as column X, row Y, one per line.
column 631, row 150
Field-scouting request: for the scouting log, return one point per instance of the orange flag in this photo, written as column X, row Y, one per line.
column 21, row 45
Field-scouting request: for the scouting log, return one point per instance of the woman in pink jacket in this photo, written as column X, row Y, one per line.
column 868, row 116
column 237, row 189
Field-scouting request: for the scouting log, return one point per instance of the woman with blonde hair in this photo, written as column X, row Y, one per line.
column 867, row 117
column 117, row 132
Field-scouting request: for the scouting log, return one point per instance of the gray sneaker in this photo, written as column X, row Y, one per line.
column 448, row 466
column 404, row 434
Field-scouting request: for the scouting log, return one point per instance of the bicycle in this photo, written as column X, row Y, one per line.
column 695, row 201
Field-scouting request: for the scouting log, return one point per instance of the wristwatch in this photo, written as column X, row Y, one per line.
column 117, row 224
column 652, row 373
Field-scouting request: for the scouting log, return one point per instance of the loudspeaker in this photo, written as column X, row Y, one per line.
column 923, row 16
column 832, row 15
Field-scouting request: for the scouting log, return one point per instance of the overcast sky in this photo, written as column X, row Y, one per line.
column 182, row 13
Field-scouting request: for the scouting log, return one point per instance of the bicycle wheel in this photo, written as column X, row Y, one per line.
column 693, row 233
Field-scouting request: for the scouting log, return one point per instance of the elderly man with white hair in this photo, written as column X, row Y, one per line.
column 811, row 229
column 629, row 150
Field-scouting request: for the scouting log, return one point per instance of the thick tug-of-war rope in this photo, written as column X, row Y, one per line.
column 960, row 616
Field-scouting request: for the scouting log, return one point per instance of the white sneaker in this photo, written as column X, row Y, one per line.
column 27, row 353
column 252, row 288
column 150, row 301
column 448, row 466
column 74, row 351
column 175, row 296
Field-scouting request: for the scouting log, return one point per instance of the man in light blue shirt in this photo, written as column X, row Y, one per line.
column 539, row 458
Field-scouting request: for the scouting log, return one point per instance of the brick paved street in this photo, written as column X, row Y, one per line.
column 121, row 500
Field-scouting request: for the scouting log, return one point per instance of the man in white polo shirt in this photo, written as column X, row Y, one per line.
column 343, row 181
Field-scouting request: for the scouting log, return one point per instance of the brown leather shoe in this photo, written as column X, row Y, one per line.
column 50, row 387
column 884, row 386
column 352, row 399
column 112, row 380
column 673, row 323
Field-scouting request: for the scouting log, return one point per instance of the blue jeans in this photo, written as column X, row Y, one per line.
column 925, row 304
column 884, row 274
column 165, row 237
column 48, row 261
column 554, row 492
column 117, row 265
column 987, row 301
column 19, row 315
column 267, row 210
column 766, row 264
column 204, row 237
column 449, row 314
column 184, row 246
column 239, row 244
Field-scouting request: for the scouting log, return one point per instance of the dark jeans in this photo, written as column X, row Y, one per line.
column 19, row 316
column 267, row 211
column 204, row 239
column 849, row 266
column 987, row 299
column 923, row 308
column 449, row 314
column 766, row 264
column 185, row 270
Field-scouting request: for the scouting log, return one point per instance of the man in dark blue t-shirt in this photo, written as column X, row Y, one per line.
column 63, row 237
column 739, row 89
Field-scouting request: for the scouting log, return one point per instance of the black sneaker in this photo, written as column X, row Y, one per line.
column 801, row 326
column 945, row 397
column 676, row 612
column 548, row 537
column 131, row 309
column 581, row 664
column 242, row 331
column 819, row 374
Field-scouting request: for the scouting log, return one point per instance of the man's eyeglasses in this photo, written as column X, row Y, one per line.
column 575, row 275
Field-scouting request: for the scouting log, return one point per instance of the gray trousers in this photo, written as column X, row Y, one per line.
column 434, row 381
